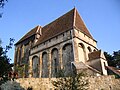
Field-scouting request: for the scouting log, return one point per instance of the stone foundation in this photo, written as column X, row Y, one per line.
column 95, row 83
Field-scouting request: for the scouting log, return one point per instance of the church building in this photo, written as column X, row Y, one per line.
column 64, row 44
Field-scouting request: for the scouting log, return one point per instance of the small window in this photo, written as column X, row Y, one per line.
column 81, row 45
column 89, row 49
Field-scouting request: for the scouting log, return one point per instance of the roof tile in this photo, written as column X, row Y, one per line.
column 66, row 22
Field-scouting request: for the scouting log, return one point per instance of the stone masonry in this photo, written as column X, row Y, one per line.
column 95, row 83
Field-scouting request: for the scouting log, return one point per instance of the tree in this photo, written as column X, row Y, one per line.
column 113, row 60
column 5, row 66
column 73, row 82
column 109, row 59
column 22, row 70
column 116, row 57
column 2, row 4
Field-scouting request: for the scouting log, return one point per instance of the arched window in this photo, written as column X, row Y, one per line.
column 54, row 63
column 67, row 58
column 89, row 49
column 81, row 52
column 45, row 70
column 35, row 66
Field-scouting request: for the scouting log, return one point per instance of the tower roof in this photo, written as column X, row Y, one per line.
column 29, row 34
column 79, row 24
column 66, row 22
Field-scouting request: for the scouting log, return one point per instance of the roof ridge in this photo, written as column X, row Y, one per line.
column 28, row 34
column 59, row 25
column 74, row 16
column 59, row 17
column 79, row 24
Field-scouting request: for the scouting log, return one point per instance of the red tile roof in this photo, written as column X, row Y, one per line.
column 114, row 69
column 79, row 24
column 66, row 22
column 29, row 34
column 58, row 26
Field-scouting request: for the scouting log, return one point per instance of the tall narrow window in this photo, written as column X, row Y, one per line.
column 55, row 66
column 45, row 70
column 67, row 58
column 35, row 66
column 54, row 62
column 82, row 54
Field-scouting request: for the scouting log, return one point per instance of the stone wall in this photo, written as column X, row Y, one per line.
column 104, row 83
column 95, row 83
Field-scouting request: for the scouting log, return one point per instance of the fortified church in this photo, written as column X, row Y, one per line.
column 64, row 44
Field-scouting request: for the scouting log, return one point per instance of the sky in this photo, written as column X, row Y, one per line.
column 101, row 17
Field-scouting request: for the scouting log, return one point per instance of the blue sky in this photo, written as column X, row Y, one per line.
column 102, row 18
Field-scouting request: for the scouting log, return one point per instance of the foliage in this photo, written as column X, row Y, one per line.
column 116, row 57
column 2, row 3
column 73, row 82
column 113, row 60
column 5, row 66
column 109, row 59
column 22, row 70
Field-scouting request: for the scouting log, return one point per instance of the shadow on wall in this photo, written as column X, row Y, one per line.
column 13, row 85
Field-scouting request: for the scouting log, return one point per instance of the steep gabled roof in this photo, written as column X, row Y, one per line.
column 79, row 24
column 66, row 22
column 29, row 34
column 58, row 26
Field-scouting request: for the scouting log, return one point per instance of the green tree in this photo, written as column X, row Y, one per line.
column 114, row 59
column 73, row 82
column 22, row 70
column 5, row 66
column 109, row 59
